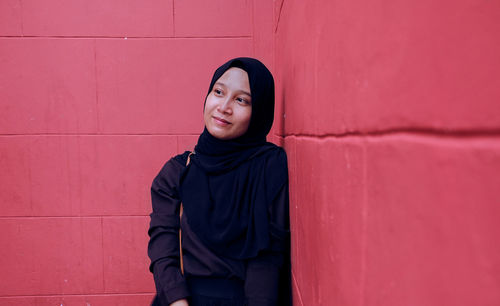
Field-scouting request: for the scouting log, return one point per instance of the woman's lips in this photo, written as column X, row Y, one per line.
column 221, row 121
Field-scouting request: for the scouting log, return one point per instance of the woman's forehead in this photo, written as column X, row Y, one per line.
column 235, row 77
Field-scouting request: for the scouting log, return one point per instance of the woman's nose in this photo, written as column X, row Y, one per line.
column 225, row 106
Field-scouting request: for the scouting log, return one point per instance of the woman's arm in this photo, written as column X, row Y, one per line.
column 163, row 247
column 262, row 279
column 266, row 275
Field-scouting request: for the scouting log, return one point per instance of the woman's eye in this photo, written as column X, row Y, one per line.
column 242, row 101
column 218, row 91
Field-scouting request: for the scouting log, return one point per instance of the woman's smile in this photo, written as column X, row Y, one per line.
column 220, row 121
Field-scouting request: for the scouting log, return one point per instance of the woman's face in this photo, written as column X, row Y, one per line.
column 228, row 107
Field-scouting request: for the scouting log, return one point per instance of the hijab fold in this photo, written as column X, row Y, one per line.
column 227, row 188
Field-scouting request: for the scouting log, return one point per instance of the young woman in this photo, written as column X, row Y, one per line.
column 233, row 189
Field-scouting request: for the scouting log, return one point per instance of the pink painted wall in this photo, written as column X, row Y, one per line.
column 388, row 111
column 392, row 127
column 94, row 97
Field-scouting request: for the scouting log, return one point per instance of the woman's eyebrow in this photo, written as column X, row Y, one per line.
column 246, row 93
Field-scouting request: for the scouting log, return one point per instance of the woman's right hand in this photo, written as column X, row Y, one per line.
column 182, row 302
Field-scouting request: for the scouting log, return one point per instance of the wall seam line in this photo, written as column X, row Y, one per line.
column 103, row 255
column 93, row 134
column 69, row 216
column 173, row 18
column 462, row 134
column 253, row 28
column 76, row 295
column 22, row 17
column 127, row 37
column 96, row 89
column 30, row 177
column 364, row 225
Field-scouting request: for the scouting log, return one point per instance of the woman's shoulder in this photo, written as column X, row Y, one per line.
column 181, row 158
column 275, row 164
column 173, row 167
column 275, row 171
column 275, row 156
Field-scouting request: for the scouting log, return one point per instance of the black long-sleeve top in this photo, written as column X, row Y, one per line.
column 260, row 274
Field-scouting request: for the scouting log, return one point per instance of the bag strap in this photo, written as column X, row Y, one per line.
column 180, row 216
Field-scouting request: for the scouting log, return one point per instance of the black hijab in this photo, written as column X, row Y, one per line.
column 228, row 186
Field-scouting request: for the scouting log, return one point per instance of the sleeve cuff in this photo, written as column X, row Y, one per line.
column 170, row 295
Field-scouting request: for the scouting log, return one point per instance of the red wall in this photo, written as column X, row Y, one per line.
column 94, row 97
column 388, row 111
column 392, row 127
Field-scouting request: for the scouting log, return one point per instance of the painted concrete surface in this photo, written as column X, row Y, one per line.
column 391, row 124
column 95, row 96
column 388, row 111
